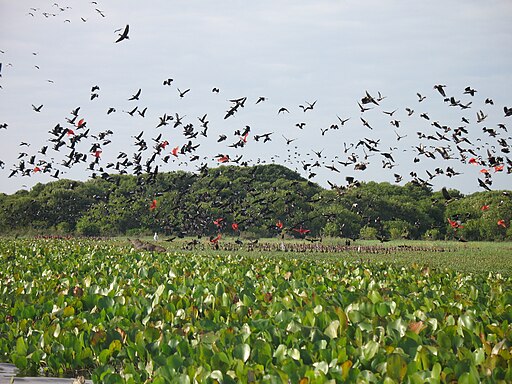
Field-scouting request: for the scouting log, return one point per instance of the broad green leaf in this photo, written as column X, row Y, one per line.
column 332, row 329
column 68, row 311
column 242, row 352
column 293, row 327
column 370, row 349
column 375, row 297
column 105, row 302
column 261, row 352
column 21, row 346
column 104, row 356
column 322, row 366
column 56, row 331
column 396, row 367
column 294, row 353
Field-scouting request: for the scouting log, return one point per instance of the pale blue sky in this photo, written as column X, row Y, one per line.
column 291, row 52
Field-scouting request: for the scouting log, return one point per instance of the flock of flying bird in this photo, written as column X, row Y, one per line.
column 78, row 142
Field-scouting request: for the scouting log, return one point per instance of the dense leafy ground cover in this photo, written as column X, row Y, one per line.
column 105, row 310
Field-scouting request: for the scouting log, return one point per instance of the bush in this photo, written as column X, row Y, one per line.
column 63, row 228
column 86, row 228
column 368, row 233
column 398, row 229
column 331, row 230
column 433, row 234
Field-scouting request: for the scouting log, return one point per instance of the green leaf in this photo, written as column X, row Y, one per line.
column 242, row 352
column 332, row 329
column 56, row 331
column 21, row 347
column 396, row 367
column 115, row 346
column 370, row 349
column 375, row 297
column 261, row 352
column 322, row 366
column 217, row 375
column 471, row 377
column 68, row 311
column 293, row 327
column 105, row 302
column 294, row 353
column 219, row 289
column 104, row 356
column 436, row 371
column 21, row 362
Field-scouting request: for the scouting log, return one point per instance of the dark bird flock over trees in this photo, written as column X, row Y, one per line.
column 251, row 202
column 251, row 197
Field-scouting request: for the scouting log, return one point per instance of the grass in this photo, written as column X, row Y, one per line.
column 473, row 257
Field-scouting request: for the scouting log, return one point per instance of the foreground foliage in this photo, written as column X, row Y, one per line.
column 121, row 315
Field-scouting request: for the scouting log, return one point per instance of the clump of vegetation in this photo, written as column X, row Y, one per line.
column 120, row 315
column 255, row 198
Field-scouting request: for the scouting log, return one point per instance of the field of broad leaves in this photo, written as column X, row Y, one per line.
column 117, row 315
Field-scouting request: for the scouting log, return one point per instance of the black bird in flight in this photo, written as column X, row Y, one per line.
column 440, row 89
column 37, row 109
column 182, row 93
column 470, row 91
column 124, row 35
column 342, row 121
column 136, row 96
column 420, row 97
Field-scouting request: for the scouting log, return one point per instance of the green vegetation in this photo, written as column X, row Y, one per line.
column 255, row 198
column 118, row 315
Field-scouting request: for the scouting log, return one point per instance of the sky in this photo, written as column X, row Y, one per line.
column 326, row 53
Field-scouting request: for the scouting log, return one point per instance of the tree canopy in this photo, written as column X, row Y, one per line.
column 253, row 200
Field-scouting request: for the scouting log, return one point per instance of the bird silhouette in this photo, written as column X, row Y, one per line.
column 136, row 95
column 124, row 35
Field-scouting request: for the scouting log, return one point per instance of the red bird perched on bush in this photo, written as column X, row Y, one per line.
column 279, row 224
column 485, row 208
column 234, row 226
column 501, row 223
column 152, row 206
column 218, row 222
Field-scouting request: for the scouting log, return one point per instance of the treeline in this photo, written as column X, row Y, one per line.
column 258, row 201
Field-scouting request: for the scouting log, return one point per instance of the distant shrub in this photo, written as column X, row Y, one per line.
column 433, row 234
column 368, row 233
column 63, row 228
column 331, row 230
column 85, row 228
